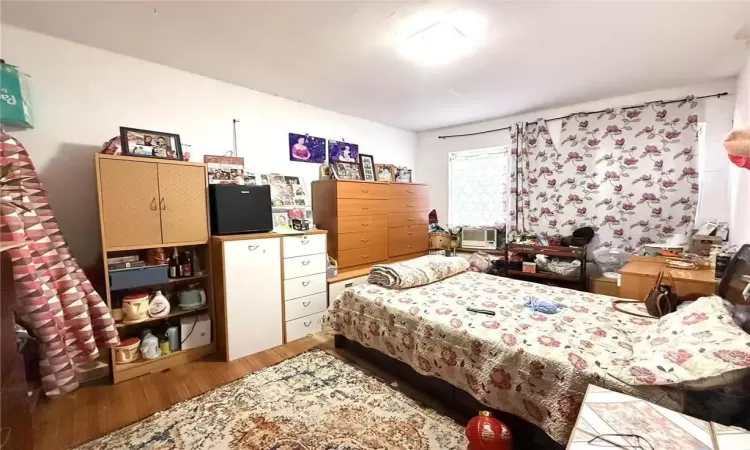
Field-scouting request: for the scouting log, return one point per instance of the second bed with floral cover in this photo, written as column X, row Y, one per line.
column 534, row 365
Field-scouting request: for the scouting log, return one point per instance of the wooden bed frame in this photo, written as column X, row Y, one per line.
column 460, row 405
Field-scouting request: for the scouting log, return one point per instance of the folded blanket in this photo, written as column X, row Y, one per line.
column 416, row 272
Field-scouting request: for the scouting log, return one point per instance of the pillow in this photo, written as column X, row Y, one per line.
column 697, row 347
column 416, row 272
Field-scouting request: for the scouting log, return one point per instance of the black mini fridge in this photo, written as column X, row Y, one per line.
column 239, row 209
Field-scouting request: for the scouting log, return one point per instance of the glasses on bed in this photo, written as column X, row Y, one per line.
column 633, row 441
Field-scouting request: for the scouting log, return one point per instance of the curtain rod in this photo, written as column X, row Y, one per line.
column 719, row 95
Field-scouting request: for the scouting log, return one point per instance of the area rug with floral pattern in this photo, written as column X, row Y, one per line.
column 312, row 401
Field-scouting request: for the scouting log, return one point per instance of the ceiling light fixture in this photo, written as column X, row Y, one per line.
column 433, row 38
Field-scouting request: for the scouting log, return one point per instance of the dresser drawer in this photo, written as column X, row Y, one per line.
column 355, row 224
column 365, row 239
column 301, row 266
column 371, row 191
column 407, row 190
column 304, row 306
column 356, row 207
column 309, row 244
column 335, row 289
column 362, row 256
column 402, row 241
column 304, row 286
column 408, row 204
column 299, row 328
column 407, row 219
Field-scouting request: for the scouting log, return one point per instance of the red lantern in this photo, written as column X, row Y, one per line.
column 487, row 433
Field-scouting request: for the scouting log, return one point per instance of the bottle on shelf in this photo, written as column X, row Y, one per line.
column 174, row 265
column 186, row 264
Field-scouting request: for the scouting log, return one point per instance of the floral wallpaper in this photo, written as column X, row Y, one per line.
column 630, row 174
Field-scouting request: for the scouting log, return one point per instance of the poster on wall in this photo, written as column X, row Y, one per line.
column 225, row 169
column 343, row 151
column 306, row 148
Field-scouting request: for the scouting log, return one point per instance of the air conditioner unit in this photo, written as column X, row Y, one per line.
column 479, row 238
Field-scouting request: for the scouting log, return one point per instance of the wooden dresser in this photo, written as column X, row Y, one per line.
column 371, row 222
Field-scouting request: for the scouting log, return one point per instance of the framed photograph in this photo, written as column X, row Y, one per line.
column 343, row 151
column 402, row 175
column 224, row 169
column 384, row 172
column 305, row 148
column 368, row 167
column 150, row 144
column 345, row 170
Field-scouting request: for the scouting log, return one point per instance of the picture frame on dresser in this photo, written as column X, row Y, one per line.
column 384, row 172
column 345, row 170
column 367, row 167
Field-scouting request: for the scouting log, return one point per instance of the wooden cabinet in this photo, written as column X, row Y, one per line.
column 638, row 276
column 252, row 294
column 16, row 431
column 129, row 202
column 370, row 222
column 182, row 203
column 151, row 203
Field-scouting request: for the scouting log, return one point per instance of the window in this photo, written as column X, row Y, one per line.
column 478, row 187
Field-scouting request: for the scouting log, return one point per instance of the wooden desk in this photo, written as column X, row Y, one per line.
column 638, row 277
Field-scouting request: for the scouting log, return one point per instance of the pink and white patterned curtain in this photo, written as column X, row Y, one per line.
column 630, row 174
column 54, row 295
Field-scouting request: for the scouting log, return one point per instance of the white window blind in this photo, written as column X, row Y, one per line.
column 478, row 187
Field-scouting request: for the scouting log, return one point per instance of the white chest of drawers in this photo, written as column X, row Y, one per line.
column 305, row 261
column 269, row 289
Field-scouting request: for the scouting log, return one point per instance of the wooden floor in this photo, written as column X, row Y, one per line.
column 93, row 411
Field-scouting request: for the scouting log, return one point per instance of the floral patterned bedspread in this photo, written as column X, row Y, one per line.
column 533, row 365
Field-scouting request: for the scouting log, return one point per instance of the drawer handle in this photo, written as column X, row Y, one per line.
column 410, row 233
column 364, row 191
column 409, row 205
column 304, row 241
column 252, row 247
column 365, row 256
column 365, row 240
column 306, row 304
column 163, row 204
column 410, row 219
column 365, row 207
column 304, row 263
column 348, row 285
column 153, row 204
column 305, row 283
column 365, row 224
column 408, row 246
column 411, row 191
column 307, row 324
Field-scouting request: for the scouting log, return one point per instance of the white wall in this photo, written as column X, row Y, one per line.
column 739, row 178
column 432, row 153
column 82, row 95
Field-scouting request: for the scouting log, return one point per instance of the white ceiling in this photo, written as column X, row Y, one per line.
column 341, row 56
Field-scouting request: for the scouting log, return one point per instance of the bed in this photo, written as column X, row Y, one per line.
column 533, row 365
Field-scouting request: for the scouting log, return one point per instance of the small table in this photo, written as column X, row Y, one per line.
column 606, row 412
column 638, row 277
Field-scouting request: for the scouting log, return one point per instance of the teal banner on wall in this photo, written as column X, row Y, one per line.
column 15, row 104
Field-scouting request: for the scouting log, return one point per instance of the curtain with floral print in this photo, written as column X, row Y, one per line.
column 630, row 174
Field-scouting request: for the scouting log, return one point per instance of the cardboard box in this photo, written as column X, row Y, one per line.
column 15, row 103
column 701, row 244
